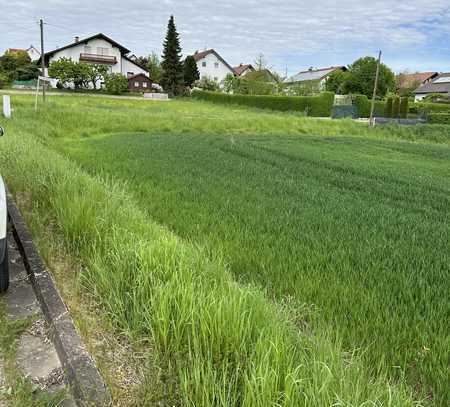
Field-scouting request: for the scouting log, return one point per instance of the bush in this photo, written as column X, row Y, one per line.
column 396, row 107
column 404, row 101
column 388, row 107
column 4, row 80
column 116, row 83
column 423, row 108
column 316, row 106
column 363, row 105
column 439, row 118
column 207, row 84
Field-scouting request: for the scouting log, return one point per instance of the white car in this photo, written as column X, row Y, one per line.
column 4, row 265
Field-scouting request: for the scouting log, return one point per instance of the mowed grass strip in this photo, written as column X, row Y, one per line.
column 287, row 212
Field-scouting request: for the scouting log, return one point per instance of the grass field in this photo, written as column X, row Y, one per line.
column 301, row 261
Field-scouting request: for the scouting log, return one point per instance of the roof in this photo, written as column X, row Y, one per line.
column 123, row 50
column 439, row 85
column 200, row 55
column 408, row 80
column 138, row 74
column 240, row 69
column 313, row 74
column 13, row 50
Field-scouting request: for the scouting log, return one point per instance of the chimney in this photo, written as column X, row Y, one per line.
column 77, row 38
column 310, row 69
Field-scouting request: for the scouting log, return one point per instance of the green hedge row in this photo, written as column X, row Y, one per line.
column 426, row 108
column 363, row 105
column 439, row 118
column 316, row 106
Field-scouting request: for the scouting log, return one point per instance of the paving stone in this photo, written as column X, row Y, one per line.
column 36, row 357
column 21, row 302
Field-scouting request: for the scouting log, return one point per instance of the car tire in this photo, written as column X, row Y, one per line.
column 4, row 270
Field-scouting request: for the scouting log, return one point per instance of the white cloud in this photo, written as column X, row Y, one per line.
column 287, row 32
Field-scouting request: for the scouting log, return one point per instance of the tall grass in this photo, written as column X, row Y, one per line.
column 223, row 342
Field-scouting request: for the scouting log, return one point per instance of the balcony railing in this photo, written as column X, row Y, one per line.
column 101, row 59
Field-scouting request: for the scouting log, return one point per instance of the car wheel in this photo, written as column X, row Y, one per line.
column 4, row 270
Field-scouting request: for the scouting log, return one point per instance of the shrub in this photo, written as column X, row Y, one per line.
column 396, row 107
column 4, row 80
column 116, row 83
column 424, row 109
column 316, row 106
column 207, row 83
column 404, row 101
column 363, row 105
column 439, row 118
column 388, row 108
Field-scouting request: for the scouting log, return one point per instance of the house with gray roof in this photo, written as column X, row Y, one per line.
column 312, row 75
column 440, row 84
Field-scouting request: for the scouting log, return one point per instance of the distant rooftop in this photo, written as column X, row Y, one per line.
column 313, row 74
column 439, row 85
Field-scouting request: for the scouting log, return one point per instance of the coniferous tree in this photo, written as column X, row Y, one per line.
column 191, row 73
column 172, row 75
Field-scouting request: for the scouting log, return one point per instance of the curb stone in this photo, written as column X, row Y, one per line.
column 85, row 381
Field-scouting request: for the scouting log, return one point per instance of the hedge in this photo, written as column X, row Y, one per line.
column 439, row 118
column 388, row 107
column 396, row 107
column 316, row 106
column 404, row 101
column 363, row 104
column 425, row 108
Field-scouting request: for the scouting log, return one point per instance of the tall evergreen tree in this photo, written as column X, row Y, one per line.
column 172, row 76
column 191, row 73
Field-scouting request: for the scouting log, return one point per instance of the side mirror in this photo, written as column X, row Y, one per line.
column 2, row 132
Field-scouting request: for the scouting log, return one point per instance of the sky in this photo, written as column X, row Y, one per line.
column 293, row 35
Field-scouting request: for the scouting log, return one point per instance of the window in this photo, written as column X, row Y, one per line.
column 204, row 63
column 87, row 49
column 144, row 84
column 216, row 64
column 136, row 84
column 216, row 78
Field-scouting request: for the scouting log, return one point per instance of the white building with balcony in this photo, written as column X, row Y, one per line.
column 98, row 49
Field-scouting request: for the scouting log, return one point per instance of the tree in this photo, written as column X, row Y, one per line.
column 154, row 67
column 335, row 81
column 17, row 65
column 96, row 72
column 260, row 62
column 62, row 69
column 116, row 83
column 172, row 75
column 191, row 73
column 361, row 78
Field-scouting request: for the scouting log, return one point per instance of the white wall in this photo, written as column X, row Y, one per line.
column 212, row 71
column 128, row 66
column 33, row 54
column 122, row 65
column 419, row 97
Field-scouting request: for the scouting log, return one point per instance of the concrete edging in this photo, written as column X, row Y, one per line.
column 85, row 381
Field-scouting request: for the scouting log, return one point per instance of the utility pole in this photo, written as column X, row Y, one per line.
column 41, row 24
column 372, row 108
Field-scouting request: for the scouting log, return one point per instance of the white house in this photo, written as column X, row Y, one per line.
column 211, row 65
column 440, row 84
column 319, row 76
column 98, row 49
column 243, row 69
column 33, row 53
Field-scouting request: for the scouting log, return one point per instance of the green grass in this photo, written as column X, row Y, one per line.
column 18, row 390
column 310, row 257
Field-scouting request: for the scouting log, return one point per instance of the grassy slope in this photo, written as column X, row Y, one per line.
column 310, row 206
